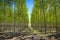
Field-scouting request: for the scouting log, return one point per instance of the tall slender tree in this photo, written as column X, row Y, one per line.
column 46, row 15
column 22, row 15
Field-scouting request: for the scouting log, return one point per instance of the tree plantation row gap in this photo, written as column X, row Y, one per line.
column 45, row 16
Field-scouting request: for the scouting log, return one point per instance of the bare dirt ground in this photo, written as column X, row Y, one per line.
column 31, row 37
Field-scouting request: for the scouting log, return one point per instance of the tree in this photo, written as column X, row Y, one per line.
column 47, row 15
column 21, row 14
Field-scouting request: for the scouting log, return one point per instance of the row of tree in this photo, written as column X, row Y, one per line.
column 13, row 13
column 45, row 15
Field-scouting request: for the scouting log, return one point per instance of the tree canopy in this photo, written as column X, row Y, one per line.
column 14, row 12
column 45, row 15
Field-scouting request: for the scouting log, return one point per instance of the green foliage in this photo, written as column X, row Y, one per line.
column 45, row 15
column 14, row 16
column 21, row 12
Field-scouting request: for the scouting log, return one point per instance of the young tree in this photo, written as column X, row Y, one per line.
column 22, row 15
column 45, row 12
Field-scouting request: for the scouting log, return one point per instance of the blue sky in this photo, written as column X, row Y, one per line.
column 29, row 4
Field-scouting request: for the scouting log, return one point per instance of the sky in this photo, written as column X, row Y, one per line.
column 29, row 4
